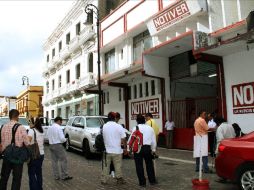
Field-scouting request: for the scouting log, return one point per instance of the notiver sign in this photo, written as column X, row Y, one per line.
column 145, row 106
column 243, row 98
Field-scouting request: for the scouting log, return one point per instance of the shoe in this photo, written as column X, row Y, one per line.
column 208, row 172
column 154, row 183
column 120, row 181
column 142, row 185
column 67, row 178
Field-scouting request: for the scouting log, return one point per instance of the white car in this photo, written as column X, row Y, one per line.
column 22, row 120
column 81, row 131
column 46, row 125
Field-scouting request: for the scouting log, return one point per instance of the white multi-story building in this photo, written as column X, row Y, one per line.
column 6, row 104
column 70, row 65
column 174, row 58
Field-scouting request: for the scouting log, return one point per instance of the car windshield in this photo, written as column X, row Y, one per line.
column 23, row 121
column 93, row 122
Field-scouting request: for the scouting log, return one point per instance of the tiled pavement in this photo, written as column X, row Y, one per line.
column 172, row 174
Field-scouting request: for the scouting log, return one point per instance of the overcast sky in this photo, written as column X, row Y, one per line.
column 24, row 27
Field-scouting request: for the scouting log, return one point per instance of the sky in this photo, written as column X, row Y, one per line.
column 24, row 27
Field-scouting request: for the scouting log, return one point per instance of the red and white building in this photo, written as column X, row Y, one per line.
column 174, row 58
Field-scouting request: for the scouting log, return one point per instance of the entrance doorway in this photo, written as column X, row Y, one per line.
column 193, row 88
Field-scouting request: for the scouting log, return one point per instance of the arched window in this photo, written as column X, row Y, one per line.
column 90, row 63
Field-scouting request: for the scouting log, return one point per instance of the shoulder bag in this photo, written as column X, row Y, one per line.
column 34, row 149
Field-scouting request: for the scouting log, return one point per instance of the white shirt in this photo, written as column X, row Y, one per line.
column 112, row 135
column 39, row 138
column 170, row 125
column 224, row 131
column 55, row 134
column 148, row 135
column 211, row 124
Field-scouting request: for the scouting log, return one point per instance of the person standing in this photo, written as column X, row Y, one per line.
column 201, row 129
column 146, row 153
column 113, row 135
column 35, row 166
column 169, row 126
column 211, row 133
column 21, row 139
column 150, row 121
column 58, row 154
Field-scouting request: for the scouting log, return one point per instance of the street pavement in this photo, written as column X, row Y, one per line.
column 174, row 170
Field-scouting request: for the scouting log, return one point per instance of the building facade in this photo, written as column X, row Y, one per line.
column 29, row 102
column 165, row 57
column 6, row 104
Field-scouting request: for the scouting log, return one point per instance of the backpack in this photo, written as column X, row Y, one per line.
column 99, row 143
column 136, row 141
column 13, row 153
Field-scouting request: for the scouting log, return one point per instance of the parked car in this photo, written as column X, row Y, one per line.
column 45, row 127
column 22, row 120
column 81, row 131
column 235, row 161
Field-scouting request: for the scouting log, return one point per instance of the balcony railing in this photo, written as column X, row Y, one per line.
column 64, row 53
column 87, row 81
column 86, row 34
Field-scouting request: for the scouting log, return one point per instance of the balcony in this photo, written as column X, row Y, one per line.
column 64, row 53
column 74, row 44
column 86, row 34
column 86, row 81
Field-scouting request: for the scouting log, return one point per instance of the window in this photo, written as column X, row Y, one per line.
column 121, row 54
column 60, row 46
column 47, row 86
column 141, row 43
column 47, row 58
column 140, row 90
column 120, row 94
column 68, row 38
column 90, row 61
column 135, row 91
column 152, row 88
column 47, row 114
column 77, row 109
column 53, row 84
column 67, row 112
column 110, row 61
column 129, row 93
column 78, row 28
column 76, row 121
column 59, row 81
column 147, row 89
column 108, row 97
column 77, row 71
column 59, row 112
column 53, row 52
column 52, row 113
column 67, row 76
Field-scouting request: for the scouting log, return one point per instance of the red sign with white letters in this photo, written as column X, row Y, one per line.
column 243, row 98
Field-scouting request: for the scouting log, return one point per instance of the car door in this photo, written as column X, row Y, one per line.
column 73, row 131
column 79, row 132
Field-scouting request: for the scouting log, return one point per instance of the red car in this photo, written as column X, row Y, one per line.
column 235, row 161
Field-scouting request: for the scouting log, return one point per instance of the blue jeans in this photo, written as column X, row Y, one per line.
column 35, row 173
column 205, row 164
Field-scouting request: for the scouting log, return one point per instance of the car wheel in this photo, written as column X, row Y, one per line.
column 86, row 149
column 246, row 178
column 67, row 144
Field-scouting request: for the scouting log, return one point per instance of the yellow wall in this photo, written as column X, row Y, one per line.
column 29, row 101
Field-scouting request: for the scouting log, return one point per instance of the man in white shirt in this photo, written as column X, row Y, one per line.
column 113, row 135
column 211, row 134
column 146, row 153
column 224, row 131
column 169, row 126
column 58, row 154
